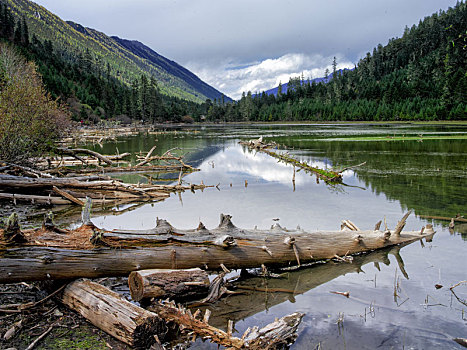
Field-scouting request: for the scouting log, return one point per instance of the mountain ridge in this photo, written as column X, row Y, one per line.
column 123, row 58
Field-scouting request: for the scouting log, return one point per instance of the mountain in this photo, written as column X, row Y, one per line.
column 124, row 59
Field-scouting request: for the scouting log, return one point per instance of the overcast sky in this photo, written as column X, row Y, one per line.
column 241, row 45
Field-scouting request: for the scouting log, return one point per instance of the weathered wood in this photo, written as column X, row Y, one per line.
column 33, row 199
column 455, row 218
column 145, row 161
column 329, row 176
column 76, row 151
column 276, row 335
column 108, row 311
column 67, row 195
column 167, row 247
column 174, row 284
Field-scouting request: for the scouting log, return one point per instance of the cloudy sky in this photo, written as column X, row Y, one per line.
column 241, row 45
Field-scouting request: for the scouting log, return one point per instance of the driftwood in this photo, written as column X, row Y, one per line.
column 173, row 284
column 262, row 293
column 108, row 311
column 76, row 151
column 49, row 255
column 141, row 328
column 75, row 190
column 457, row 218
column 276, row 335
column 329, row 176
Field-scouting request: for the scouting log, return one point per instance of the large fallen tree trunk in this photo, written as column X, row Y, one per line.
column 49, row 255
column 113, row 314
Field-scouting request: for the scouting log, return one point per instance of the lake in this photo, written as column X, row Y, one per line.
column 393, row 301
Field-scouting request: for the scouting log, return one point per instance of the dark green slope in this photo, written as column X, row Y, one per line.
column 420, row 76
column 73, row 40
column 172, row 67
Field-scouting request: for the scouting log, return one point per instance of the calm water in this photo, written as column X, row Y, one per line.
column 427, row 176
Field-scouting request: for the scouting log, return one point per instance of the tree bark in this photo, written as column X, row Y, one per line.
column 164, row 283
column 108, row 311
column 48, row 255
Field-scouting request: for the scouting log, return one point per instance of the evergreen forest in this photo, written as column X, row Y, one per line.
column 420, row 76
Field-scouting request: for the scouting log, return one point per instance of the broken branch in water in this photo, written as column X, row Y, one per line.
column 462, row 301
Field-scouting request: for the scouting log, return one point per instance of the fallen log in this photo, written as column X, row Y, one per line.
column 49, row 255
column 455, row 218
column 72, row 189
column 76, row 151
column 108, row 311
column 329, row 176
column 141, row 328
column 164, row 283
column 33, row 199
column 276, row 335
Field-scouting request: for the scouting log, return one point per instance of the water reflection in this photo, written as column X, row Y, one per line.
column 429, row 177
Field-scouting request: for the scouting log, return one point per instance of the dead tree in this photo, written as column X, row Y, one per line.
column 92, row 252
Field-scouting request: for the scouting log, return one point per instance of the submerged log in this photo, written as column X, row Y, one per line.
column 173, row 284
column 48, row 255
column 329, row 176
column 108, row 311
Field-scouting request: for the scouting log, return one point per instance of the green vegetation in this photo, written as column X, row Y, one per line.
column 90, row 88
column 30, row 119
column 421, row 76
column 419, row 138
column 127, row 64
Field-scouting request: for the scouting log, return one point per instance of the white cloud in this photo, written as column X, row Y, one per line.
column 234, row 79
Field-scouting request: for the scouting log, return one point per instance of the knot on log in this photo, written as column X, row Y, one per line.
column 358, row 239
column 386, row 235
column 225, row 222
column 290, row 241
column 225, row 241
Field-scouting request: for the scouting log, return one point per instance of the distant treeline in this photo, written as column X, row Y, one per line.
column 87, row 87
column 422, row 75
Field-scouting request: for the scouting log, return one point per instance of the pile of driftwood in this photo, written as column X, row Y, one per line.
column 84, row 161
column 50, row 186
column 328, row 175
column 166, row 262
column 74, row 190
column 132, row 324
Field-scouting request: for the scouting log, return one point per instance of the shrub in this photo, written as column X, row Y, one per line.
column 30, row 121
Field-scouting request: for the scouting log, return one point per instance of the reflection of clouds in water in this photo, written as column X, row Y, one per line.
column 236, row 160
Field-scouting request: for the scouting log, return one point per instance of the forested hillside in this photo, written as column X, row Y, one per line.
column 92, row 88
column 126, row 64
column 422, row 75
